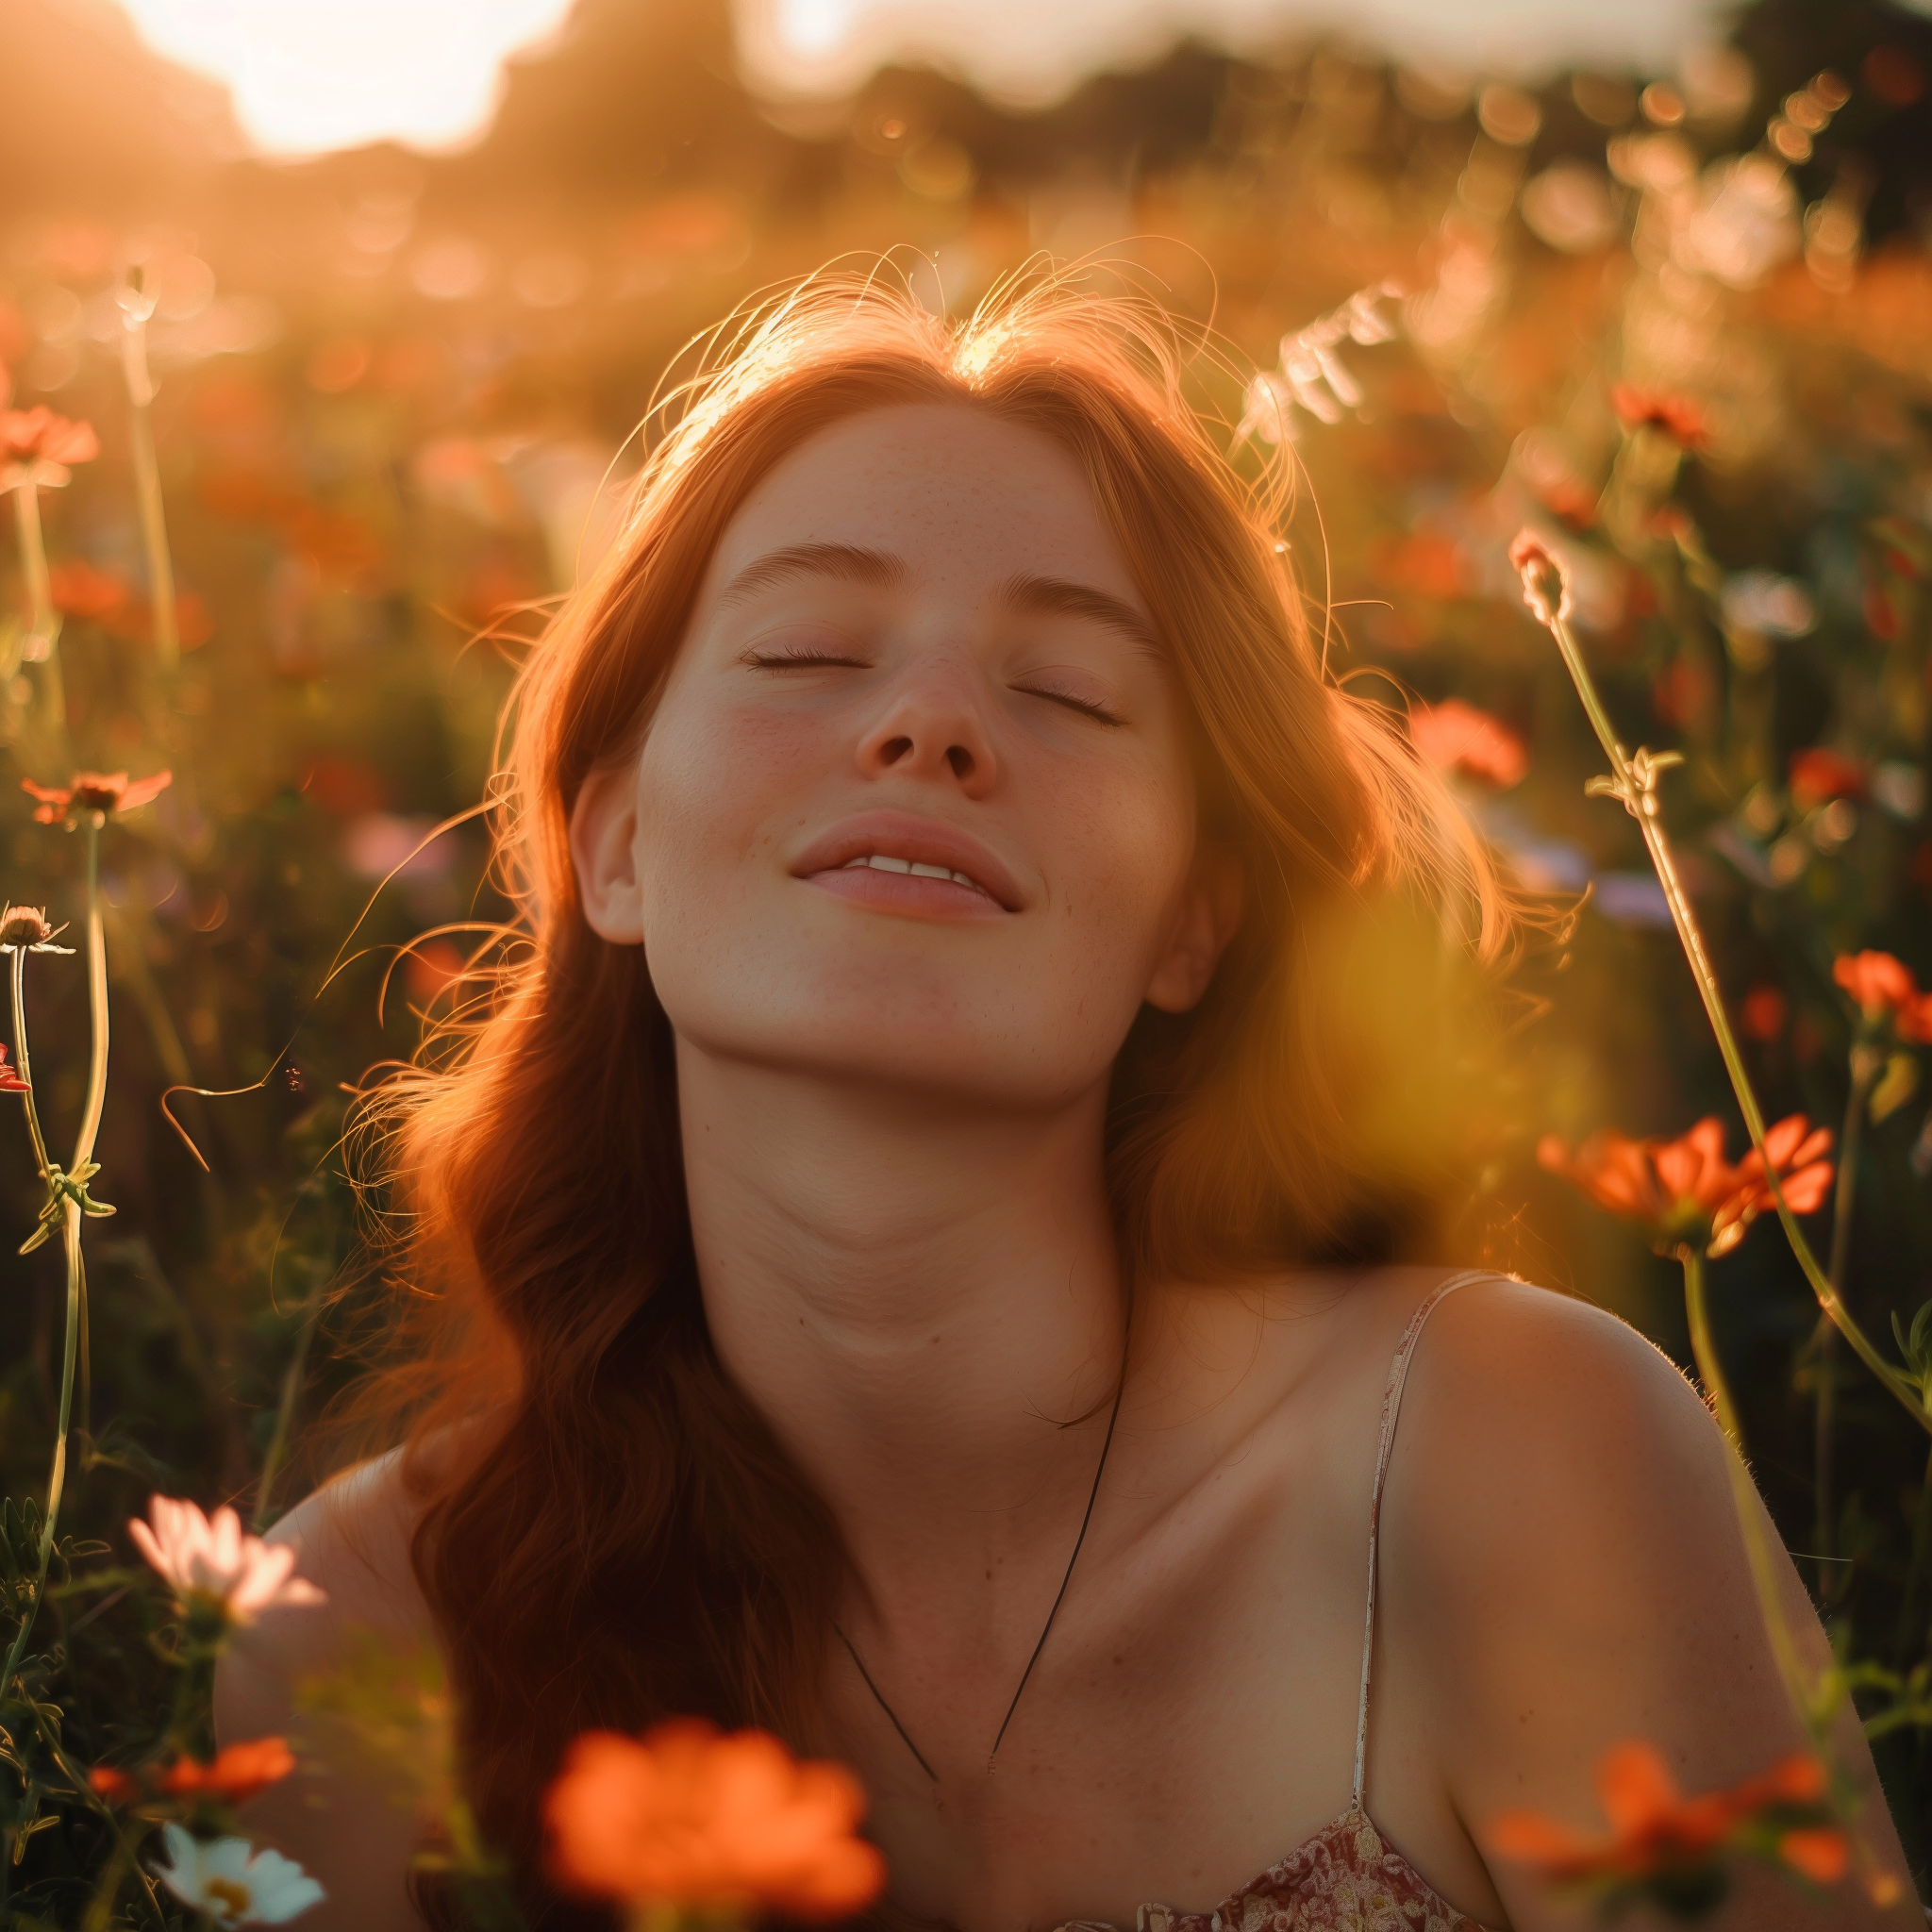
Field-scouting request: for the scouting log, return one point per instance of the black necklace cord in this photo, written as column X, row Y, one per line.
column 1092, row 1497
column 904, row 1735
column 1046, row 1628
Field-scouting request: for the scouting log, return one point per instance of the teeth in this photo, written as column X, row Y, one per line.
column 879, row 862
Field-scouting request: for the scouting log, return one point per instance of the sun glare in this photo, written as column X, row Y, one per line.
column 310, row 76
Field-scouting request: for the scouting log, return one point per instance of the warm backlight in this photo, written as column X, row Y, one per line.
column 309, row 76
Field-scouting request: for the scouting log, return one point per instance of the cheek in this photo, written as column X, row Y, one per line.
column 713, row 785
column 1125, row 839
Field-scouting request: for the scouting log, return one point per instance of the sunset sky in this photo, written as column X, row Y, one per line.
column 308, row 75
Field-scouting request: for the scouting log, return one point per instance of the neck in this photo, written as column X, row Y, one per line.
column 917, row 1295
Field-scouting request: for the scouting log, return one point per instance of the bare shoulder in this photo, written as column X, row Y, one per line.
column 351, row 1540
column 1548, row 1449
column 1564, row 1567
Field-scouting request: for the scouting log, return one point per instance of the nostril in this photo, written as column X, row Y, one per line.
column 894, row 749
column 961, row 759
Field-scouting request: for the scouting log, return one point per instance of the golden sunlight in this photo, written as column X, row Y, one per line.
column 312, row 75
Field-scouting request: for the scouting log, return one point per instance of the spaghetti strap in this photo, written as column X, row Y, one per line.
column 1392, row 1405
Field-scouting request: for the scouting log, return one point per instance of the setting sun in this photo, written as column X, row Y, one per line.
column 312, row 75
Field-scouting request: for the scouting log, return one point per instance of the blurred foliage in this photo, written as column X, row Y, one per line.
column 396, row 401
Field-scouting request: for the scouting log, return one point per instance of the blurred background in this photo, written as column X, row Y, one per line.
column 417, row 268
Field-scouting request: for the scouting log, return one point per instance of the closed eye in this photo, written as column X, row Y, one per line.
column 800, row 656
column 1088, row 708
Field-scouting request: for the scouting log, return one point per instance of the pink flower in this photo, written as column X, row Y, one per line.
column 214, row 1559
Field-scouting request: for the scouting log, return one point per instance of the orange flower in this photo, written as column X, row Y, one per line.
column 1666, row 1847
column 101, row 792
column 1455, row 737
column 1885, row 990
column 32, row 437
column 1678, row 417
column 1817, row 774
column 686, row 1816
column 10, row 1081
column 236, row 1773
column 1797, row 1150
column 79, row 590
column 1683, row 1191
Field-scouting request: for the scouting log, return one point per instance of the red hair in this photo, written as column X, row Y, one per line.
column 609, row 1533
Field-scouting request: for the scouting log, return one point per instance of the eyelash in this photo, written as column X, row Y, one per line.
column 1085, row 706
column 800, row 660
column 811, row 660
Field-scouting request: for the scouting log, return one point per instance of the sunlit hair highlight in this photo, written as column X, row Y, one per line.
column 609, row 1534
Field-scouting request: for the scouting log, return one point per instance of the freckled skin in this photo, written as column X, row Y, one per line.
column 892, row 1108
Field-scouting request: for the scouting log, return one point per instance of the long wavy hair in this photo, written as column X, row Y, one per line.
column 609, row 1533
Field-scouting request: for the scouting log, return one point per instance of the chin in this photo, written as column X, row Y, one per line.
column 907, row 1046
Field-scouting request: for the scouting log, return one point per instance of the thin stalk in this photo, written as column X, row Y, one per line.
column 1908, row 1615
column 1744, row 1493
column 1865, row 1066
column 285, row 1412
column 1634, row 783
column 33, row 561
column 147, row 486
column 70, row 1224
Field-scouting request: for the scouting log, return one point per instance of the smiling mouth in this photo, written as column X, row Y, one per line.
column 880, row 861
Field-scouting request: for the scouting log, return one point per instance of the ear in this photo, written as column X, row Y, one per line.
column 1210, row 916
column 603, row 852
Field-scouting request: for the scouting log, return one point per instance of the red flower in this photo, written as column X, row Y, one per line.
column 1797, row 1150
column 236, row 1775
column 1678, row 417
column 1763, row 1013
column 685, row 1816
column 1683, row 1191
column 1666, row 1846
column 1455, row 737
column 79, row 589
column 1885, row 990
column 100, row 792
column 10, row 1081
column 37, row 436
column 1817, row 774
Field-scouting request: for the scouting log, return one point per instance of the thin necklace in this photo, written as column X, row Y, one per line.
column 1092, row 1496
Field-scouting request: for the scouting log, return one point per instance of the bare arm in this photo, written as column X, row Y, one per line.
column 1565, row 1570
column 349, row 1820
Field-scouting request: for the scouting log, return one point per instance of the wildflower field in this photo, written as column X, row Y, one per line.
column 1611, row 403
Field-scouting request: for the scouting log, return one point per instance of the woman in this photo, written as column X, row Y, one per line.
column 893, row 1246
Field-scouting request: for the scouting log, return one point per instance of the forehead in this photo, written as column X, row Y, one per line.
column 961, row 496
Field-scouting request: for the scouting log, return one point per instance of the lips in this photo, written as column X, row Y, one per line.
column 835, row 858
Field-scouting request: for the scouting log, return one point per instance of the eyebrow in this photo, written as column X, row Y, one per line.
column 842, row 560
column 1056, row 597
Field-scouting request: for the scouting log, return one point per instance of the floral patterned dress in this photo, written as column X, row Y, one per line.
column 1348, row 1878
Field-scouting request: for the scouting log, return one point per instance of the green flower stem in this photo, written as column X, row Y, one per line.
column 33, row 561
column 1633, row 780
column 285, row 1412
column 1744, row 1495
column 70, row 1223
column 147, row 489
column 1910, row 1614
column 23, row 1060
column 1866, row 1064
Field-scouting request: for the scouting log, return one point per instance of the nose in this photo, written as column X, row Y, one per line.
column 932, row 728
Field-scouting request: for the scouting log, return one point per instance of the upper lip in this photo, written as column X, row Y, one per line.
column 919, row 841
